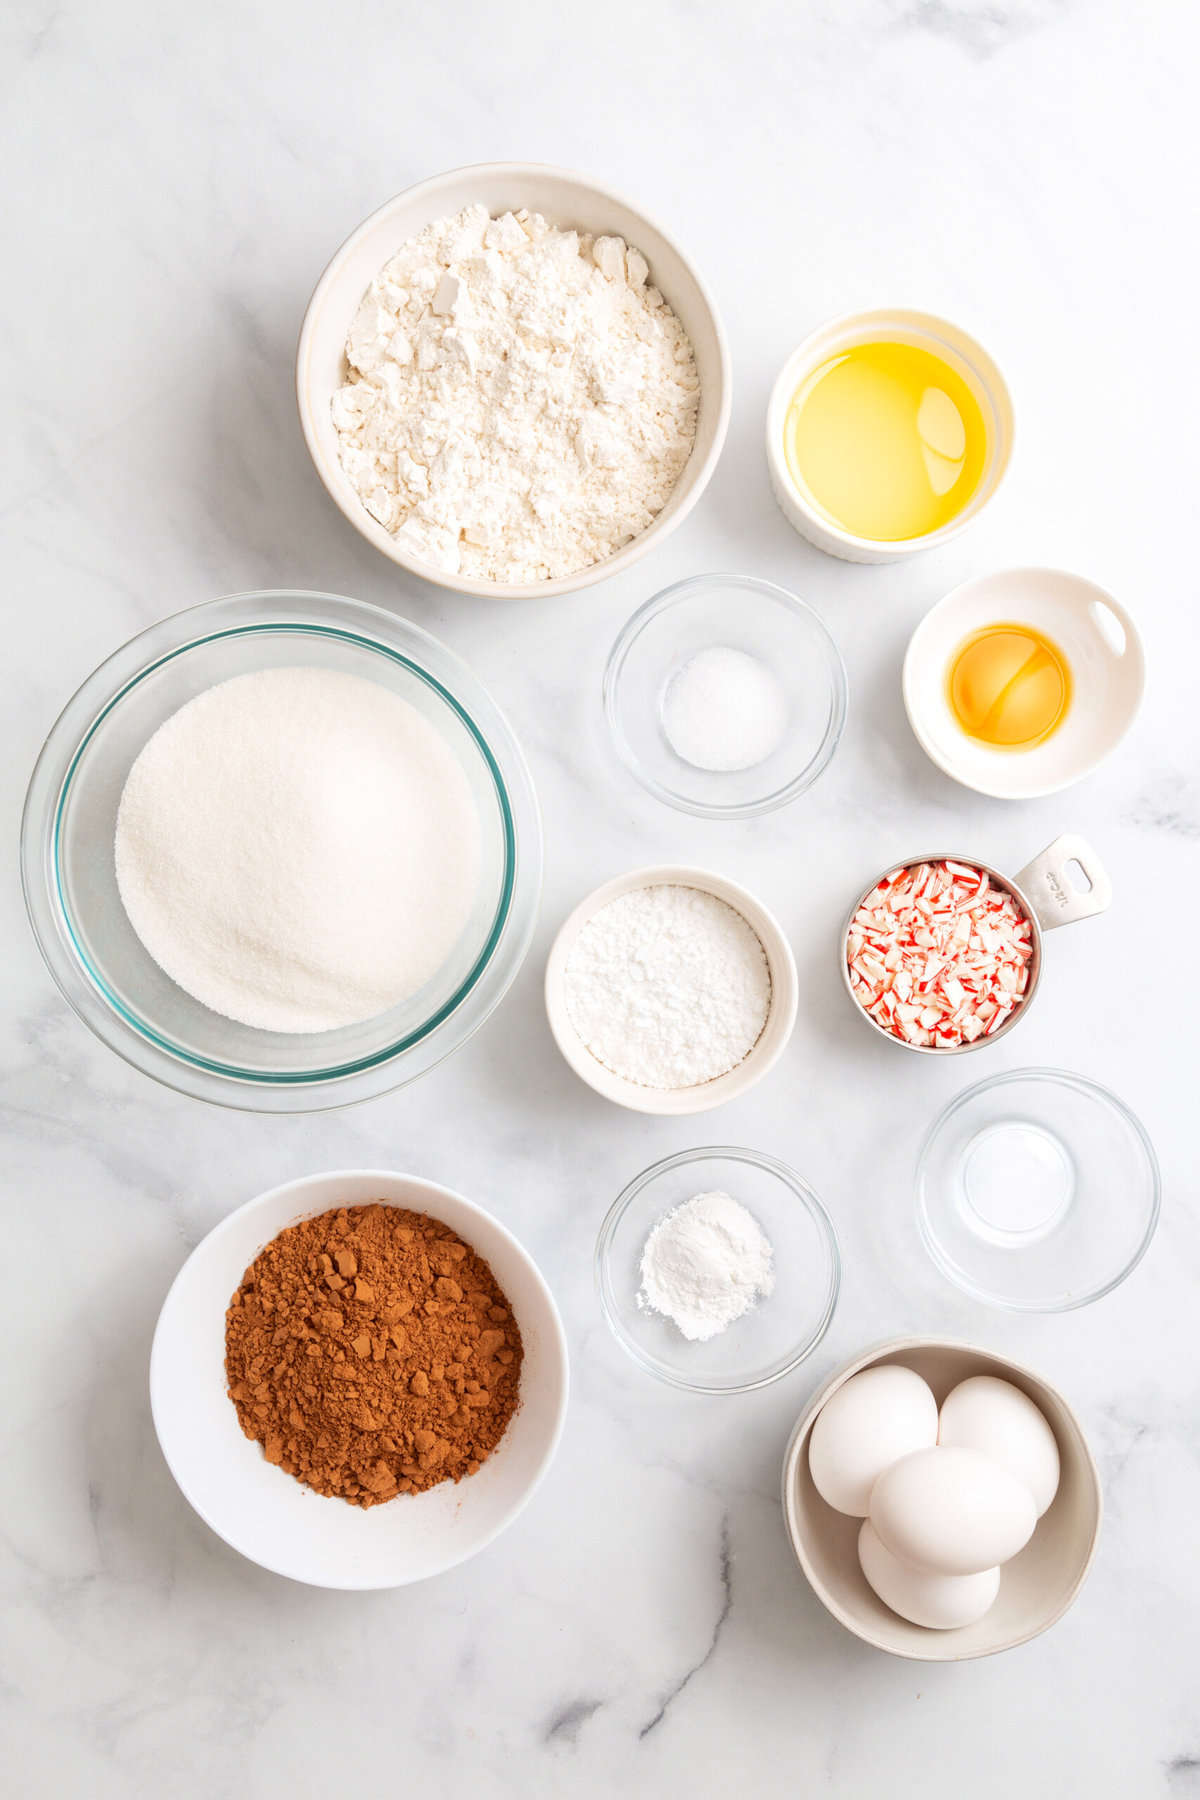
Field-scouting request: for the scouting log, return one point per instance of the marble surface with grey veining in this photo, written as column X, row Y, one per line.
column 176, row 178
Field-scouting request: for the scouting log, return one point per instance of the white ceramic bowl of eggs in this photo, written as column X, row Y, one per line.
column 941, row 1500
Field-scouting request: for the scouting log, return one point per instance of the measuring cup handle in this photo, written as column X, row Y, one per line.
column 1055, row 898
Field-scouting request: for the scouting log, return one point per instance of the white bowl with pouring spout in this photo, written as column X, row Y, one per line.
column 1103, row 652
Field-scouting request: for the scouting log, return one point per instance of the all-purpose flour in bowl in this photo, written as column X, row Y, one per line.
column 298, row 849
column 520, row 400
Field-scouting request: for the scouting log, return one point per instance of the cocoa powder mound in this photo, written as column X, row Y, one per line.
column 371, row 1353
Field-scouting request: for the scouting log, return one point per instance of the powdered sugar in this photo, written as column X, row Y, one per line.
column 668, row 986
column 521, row 400
column 705, row 1264
column 298, row 849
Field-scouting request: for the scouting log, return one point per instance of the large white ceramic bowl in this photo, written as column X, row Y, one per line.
column 1036, row 1587
column 268, row 1515
column 565, row 199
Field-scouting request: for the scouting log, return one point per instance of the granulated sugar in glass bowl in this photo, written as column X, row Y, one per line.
column 84, row 931
column 298, row 849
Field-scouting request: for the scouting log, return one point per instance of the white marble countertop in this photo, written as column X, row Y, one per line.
column 178, row 178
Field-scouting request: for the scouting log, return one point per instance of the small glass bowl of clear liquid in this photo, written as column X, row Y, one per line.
column 1037, row 1190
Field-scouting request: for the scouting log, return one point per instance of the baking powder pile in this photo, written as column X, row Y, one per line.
column 705, row 1264
column 521, row 400
column 298, row 849
column 668, row 986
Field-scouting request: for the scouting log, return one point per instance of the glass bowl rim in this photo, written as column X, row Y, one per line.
column 311, row 615
column 839, row 687
column 813, row 1206
column 1063, row 1078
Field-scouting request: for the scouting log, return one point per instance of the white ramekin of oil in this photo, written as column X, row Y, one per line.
column 887, row 432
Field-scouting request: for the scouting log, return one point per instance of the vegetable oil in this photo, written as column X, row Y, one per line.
column 887, row 440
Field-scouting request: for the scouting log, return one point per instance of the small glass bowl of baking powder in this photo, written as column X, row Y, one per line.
column 780, row 1329
column 725, row 696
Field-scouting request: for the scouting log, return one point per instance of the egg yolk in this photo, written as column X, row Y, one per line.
column 1009, row 686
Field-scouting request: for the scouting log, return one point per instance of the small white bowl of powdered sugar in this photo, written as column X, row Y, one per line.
column 512, row 382
column 670, row 990
column 718, row 1270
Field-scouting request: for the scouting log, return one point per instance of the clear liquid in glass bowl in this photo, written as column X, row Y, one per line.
column 1037, row 1190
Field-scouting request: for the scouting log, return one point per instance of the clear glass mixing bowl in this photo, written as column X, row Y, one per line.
column 69, row 876
column 1037, row 1191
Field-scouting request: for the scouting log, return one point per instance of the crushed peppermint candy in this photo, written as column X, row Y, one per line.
column 938, row 955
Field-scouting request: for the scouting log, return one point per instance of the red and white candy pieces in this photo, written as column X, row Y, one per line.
column 938, row 955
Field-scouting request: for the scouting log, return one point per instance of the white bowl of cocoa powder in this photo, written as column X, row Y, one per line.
column 358, row 1379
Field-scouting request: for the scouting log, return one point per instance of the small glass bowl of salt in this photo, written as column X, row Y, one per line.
column 718, row 1270
column 725, row 695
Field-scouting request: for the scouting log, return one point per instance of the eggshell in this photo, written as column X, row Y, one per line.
column 984, row 1413
column 952, row 1510
column 872, row 1420
column 942, row 1602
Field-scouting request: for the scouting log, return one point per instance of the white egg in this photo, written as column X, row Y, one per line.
column 952, row 1510
column 986, row 1414
column 872, row 1420
column 942, row 1602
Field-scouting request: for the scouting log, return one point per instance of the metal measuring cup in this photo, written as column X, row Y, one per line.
column 1044, row 892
